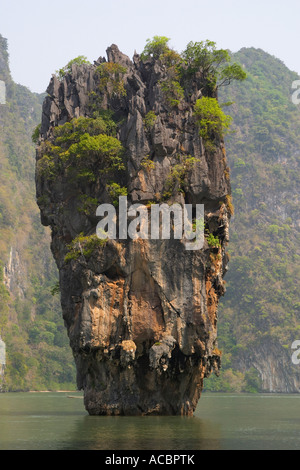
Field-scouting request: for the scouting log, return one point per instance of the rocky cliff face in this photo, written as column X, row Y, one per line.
column 141, row 314
column 27, row 268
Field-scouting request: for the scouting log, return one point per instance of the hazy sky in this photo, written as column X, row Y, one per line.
column 44, row 35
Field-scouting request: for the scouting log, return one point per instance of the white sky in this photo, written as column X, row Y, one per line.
column 44, row 35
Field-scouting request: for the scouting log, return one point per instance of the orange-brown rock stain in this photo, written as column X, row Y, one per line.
column 107, row 313
column 146, row 313
column 211, row 302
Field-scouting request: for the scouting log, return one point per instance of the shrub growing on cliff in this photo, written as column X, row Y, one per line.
column 229, row 204
column 108, row 148
column 212, row 121
column 178, row 175
column 172, row 91
column 213, row 242
column 115, row 191
column 155, row 47
column 111, row 78
column 87, row 205
column 159, row 49
column 147, row 164
column 78, row 146
column 150, row 120
column 83, row 245
column 73, row 130
column 80, row 60
column 36, row 134
column 214, row 64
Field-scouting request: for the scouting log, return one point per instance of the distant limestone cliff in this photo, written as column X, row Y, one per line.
column 38, row 355
column 141, row 314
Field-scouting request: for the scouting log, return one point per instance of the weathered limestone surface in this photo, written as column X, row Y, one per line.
column 141, row 315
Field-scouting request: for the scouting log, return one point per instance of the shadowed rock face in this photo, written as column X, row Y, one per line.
column 141, row 314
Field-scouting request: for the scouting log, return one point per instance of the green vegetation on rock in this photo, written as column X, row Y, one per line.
column 213, row 241
column 177, row 179
column 214, row 64
column 111, row 78
column 76, row 146
column 83, row 245
column 150, row 120
column 115, row 191
column 212, row 121
column 156, row 48
column 80, row 60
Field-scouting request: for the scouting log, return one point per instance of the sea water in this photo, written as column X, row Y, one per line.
column 59, row 421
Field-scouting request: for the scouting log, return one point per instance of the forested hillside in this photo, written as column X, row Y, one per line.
column 259, row 317
column 38, row 354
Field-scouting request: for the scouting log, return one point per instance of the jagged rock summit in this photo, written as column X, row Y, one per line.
column 141, row 314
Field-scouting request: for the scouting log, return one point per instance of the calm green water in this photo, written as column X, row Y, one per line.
column 42, row 421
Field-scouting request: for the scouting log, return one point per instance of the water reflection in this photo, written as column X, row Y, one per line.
column 144, row 433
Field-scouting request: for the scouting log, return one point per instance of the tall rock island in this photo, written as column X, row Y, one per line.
column 141, row 314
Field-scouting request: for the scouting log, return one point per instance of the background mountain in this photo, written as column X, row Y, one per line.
column 38, row 353
column 259, row 317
